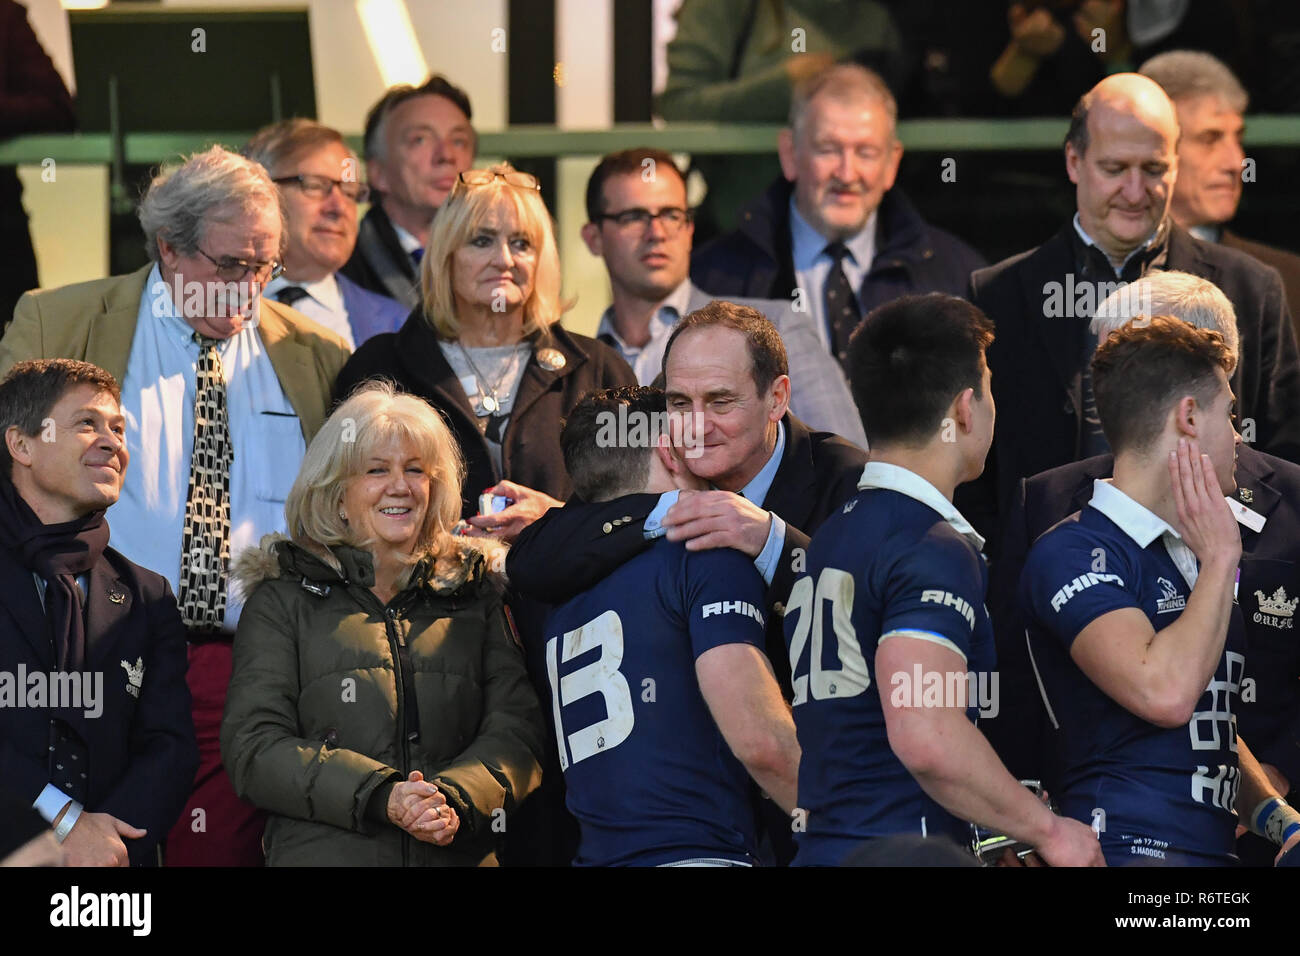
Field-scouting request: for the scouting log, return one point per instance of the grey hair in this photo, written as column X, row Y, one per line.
column 215, row 185
column 276, row 145
column 373, row 413
column 841, row 82
column 1186, row 74
column 1196, row 301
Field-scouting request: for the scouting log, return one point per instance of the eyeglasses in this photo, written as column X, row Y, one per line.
column 673, row 218
column 485, row 177
column 230, row 269
column 319, row 187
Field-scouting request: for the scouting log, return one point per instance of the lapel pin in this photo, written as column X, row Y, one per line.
column 117, row 595
column 551, row 360
column 1246, row 495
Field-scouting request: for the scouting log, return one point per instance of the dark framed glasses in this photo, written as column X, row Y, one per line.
column 236, row 270
column 673, row 218
column 319, row 187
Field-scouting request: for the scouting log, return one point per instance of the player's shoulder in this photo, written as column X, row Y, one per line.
column 673, row 561
column 661, row 557
column 1073, row 530
column 938, row 542
column 910, row 531
column 635, row 579
column 714, row 572
column 1084, row 541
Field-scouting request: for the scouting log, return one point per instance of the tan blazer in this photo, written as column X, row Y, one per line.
column 95, row 322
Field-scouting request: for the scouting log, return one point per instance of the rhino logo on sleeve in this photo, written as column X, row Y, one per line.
column 948, row 599
column 1081, row 584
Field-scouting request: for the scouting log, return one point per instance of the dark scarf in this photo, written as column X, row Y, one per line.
column 1094, row 265
column 58, row 553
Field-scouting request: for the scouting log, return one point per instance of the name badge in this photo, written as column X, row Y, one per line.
column 1246, row 516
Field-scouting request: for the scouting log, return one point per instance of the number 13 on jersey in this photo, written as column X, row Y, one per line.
column 601, row 677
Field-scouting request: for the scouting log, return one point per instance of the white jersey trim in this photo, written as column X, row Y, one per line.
column 930, row 636
column 1042, row 691
column 706, row 861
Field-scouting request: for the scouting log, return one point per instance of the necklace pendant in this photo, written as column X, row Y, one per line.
column 490, row 404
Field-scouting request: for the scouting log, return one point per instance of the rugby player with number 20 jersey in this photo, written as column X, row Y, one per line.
column 890, row 646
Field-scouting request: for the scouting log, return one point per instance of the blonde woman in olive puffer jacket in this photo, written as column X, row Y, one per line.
column 378, row 709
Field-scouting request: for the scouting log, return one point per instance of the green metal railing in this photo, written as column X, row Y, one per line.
column 917, row 135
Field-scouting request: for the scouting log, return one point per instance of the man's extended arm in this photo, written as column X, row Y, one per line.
column 955, row 765
column 568, row 550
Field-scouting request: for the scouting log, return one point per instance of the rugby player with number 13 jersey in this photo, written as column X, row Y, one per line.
column 663, row 702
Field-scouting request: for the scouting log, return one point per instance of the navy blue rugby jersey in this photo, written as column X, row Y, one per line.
column 1155, row 795
column 885, row 563
column 650, row 777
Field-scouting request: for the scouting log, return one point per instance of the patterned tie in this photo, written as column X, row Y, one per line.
column 291, row 294
column 205, row 545
column 842, row 315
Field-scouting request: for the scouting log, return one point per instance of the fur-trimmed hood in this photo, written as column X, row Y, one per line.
column 332, row 697
column 469, row 561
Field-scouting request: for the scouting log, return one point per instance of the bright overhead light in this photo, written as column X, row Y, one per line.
column 387, row 25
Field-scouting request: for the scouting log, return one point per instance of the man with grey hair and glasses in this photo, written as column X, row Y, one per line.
column 1267, row 507
column 1212, row 162
column 221, row 390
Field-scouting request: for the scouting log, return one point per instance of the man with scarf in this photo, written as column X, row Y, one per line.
column 1121, row 155
column 95, row 728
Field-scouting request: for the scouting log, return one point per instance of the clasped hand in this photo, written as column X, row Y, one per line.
column 421, row 809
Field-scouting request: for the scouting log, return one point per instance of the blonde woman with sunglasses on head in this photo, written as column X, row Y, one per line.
column 486, row 347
